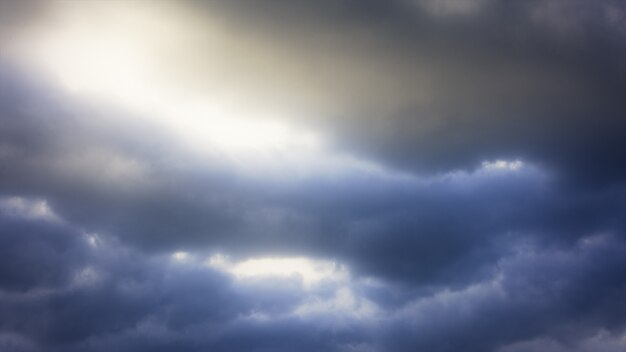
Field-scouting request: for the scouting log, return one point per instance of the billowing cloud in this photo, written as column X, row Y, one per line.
column 435, row 175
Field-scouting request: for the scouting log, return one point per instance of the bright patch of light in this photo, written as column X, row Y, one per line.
column 36, row 209
column 122, row 55
column 328, row 288
column 503, row 165
column 98, row 63
column 308, row 270
column 228, row 131
column 112, row 55
column 95, row 49
column 93, row 239
column 180, row 256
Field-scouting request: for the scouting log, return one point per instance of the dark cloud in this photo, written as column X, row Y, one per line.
column 125, row 300
column 475, row 200
column 539, row 292
column 417, row 228
column 440, row 85
column 34, row 255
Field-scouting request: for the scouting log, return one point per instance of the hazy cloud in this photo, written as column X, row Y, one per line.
column 343, row 176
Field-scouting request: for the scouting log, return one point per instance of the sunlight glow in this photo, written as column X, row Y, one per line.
column 180, row 256
column 113, row 55
column 92, row 239
column 308, row 270
column 512, row 165
column 127, row 57
column 96, row 50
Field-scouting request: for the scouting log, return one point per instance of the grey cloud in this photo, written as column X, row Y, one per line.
column 454, row 253
column 145, row 302
column 34, row 254
column 129, row 301
column 539, row 80
column 535, row 292
column 418, row 229
column 416, row 90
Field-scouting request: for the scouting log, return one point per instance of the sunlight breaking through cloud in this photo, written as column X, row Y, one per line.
column 309, row 271
column 342, row 176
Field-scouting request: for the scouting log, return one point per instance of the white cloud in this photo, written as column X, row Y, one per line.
column 504, row 165
column 309, row 271
column 28, row 208
column 180, row 256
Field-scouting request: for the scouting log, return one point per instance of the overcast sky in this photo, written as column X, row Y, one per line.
column 328, row 175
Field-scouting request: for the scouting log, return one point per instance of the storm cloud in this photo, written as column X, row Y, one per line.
column 436, row 175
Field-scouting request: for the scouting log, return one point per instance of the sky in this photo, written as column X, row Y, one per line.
column 330, row 175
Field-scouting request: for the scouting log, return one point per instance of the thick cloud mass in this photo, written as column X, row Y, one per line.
column 436, row 175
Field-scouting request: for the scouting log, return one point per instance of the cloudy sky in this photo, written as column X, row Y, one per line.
column 329, row 175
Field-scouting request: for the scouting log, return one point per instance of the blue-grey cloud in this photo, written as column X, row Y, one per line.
column 466, row 191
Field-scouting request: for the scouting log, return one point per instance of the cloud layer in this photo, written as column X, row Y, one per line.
column 435, row 175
